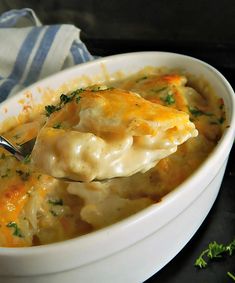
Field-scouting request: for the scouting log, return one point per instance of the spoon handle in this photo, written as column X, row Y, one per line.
column 11, row 148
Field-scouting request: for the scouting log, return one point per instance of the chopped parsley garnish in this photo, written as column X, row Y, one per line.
column 23, row 175
column 197, row 112
column 99, row 88
column 50, row 109
column 214, row 251
column 221, row 120
column 78, row 99
column 16, row 232
column 218, row 121
column 26, row 160
column 64, row 99
column 57, row 125
column 231, row 275
column 221, row 102
column 56, row 201
column 169, row 99
column 53, row 213
column 141, row 79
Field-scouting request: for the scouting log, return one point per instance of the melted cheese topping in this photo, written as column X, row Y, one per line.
column 37, row 209
column 109, row 133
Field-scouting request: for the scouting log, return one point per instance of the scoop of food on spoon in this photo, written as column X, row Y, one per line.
column 23, row 151
column 101, row 133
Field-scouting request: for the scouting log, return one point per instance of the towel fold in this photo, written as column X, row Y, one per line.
column 30, row 51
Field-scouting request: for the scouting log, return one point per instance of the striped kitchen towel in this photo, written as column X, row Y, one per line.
column 30, row 51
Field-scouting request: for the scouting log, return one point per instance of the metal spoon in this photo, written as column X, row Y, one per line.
column 20, row 152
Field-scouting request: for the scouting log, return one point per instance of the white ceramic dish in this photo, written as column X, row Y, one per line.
column 135, row 248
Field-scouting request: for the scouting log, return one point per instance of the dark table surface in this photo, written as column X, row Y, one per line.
column 204, row 29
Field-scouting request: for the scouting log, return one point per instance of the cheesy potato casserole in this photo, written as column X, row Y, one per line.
column 152, row 130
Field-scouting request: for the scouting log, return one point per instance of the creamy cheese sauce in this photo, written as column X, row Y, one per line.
column 37, row 209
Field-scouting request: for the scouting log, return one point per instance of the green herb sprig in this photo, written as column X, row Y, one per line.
column 196, row 112
column 141, row 79
column 16, row 230
column 64, row 99
column 95, row 88
column 56, row 201
column 23, row 175
column 231, row 275
column 169, row 100
column 27, row 159
column 57, row 125
column 214, row 251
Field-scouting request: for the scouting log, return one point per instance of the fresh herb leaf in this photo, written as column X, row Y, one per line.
column 26, row 160
column 200, row 262
column 231, row 247
column 57, row 125
column 17, row 232
column 23, row 175
column 64, row 99
column 50, row 109
column 77, row 92
column 78, row 99
column 195, row 111
column 53, row 213
column 221, row 103
column 56, row 201
column 231, row 275
column 214, row 251
column 169, row 99
column 100, row 88
column 221, row 120
column 141, row 79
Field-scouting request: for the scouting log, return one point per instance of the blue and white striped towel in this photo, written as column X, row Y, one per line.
column 30, row 51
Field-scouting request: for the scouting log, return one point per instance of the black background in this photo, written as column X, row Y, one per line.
column 203, row 29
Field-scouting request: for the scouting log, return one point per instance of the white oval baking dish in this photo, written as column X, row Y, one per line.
column 137, row 247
